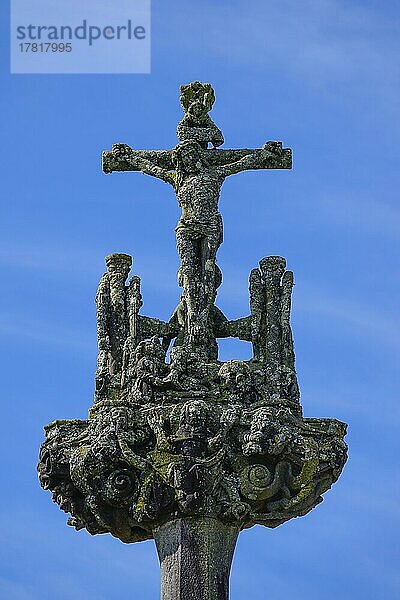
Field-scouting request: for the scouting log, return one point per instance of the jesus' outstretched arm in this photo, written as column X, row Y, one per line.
column 138, row 161
column 149, row 168
column 255, row 160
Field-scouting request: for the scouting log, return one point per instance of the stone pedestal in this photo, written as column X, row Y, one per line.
column 195, row 558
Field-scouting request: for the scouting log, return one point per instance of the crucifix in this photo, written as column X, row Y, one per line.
column 186, row 449
column 197, row 174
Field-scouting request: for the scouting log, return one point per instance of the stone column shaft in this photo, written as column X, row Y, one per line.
column 195, row 557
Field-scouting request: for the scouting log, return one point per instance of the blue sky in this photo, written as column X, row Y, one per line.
column 323, row 77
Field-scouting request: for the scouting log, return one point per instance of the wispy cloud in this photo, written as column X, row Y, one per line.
column 48, row 334
column 79, row 262
column 16, row 590
column 366, row 321
column 318, row 41
column 338, row 210
column 66, row 576
column 56, row 257
column 364, row 215
column 351, row 401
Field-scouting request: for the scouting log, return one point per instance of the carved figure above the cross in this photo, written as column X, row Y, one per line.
column 197, row 173
column 197, row 100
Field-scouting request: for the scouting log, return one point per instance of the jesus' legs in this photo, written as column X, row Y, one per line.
column 189, row 250
column 197, row 252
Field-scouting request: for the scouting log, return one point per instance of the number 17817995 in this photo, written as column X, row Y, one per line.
column 45, row 47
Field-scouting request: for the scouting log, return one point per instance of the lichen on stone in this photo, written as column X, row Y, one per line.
column 191, row 437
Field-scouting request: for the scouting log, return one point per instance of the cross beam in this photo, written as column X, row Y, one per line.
column 123, row 158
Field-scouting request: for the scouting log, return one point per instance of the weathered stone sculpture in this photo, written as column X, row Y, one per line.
column 192, row 450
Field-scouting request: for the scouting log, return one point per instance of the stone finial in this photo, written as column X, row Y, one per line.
column 197, row 100
column 272, row 267
column 119, row 263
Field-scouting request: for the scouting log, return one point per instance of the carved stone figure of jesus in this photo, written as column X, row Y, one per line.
column 197, row 185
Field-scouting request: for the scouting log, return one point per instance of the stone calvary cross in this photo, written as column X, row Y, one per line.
column 191, row 451
column 197, row 173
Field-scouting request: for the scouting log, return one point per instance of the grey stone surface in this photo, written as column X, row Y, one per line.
column 180, row 449
column 195, row 558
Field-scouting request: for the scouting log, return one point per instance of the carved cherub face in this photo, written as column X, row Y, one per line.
column 150, row 349
column 194, row 413
column 235, row 376
column 197, row 98
column 197, row 110
column 262, row 420
column 119, row 264
column 121, row 271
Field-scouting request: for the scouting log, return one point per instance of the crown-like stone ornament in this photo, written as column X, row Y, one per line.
column 191, row 450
